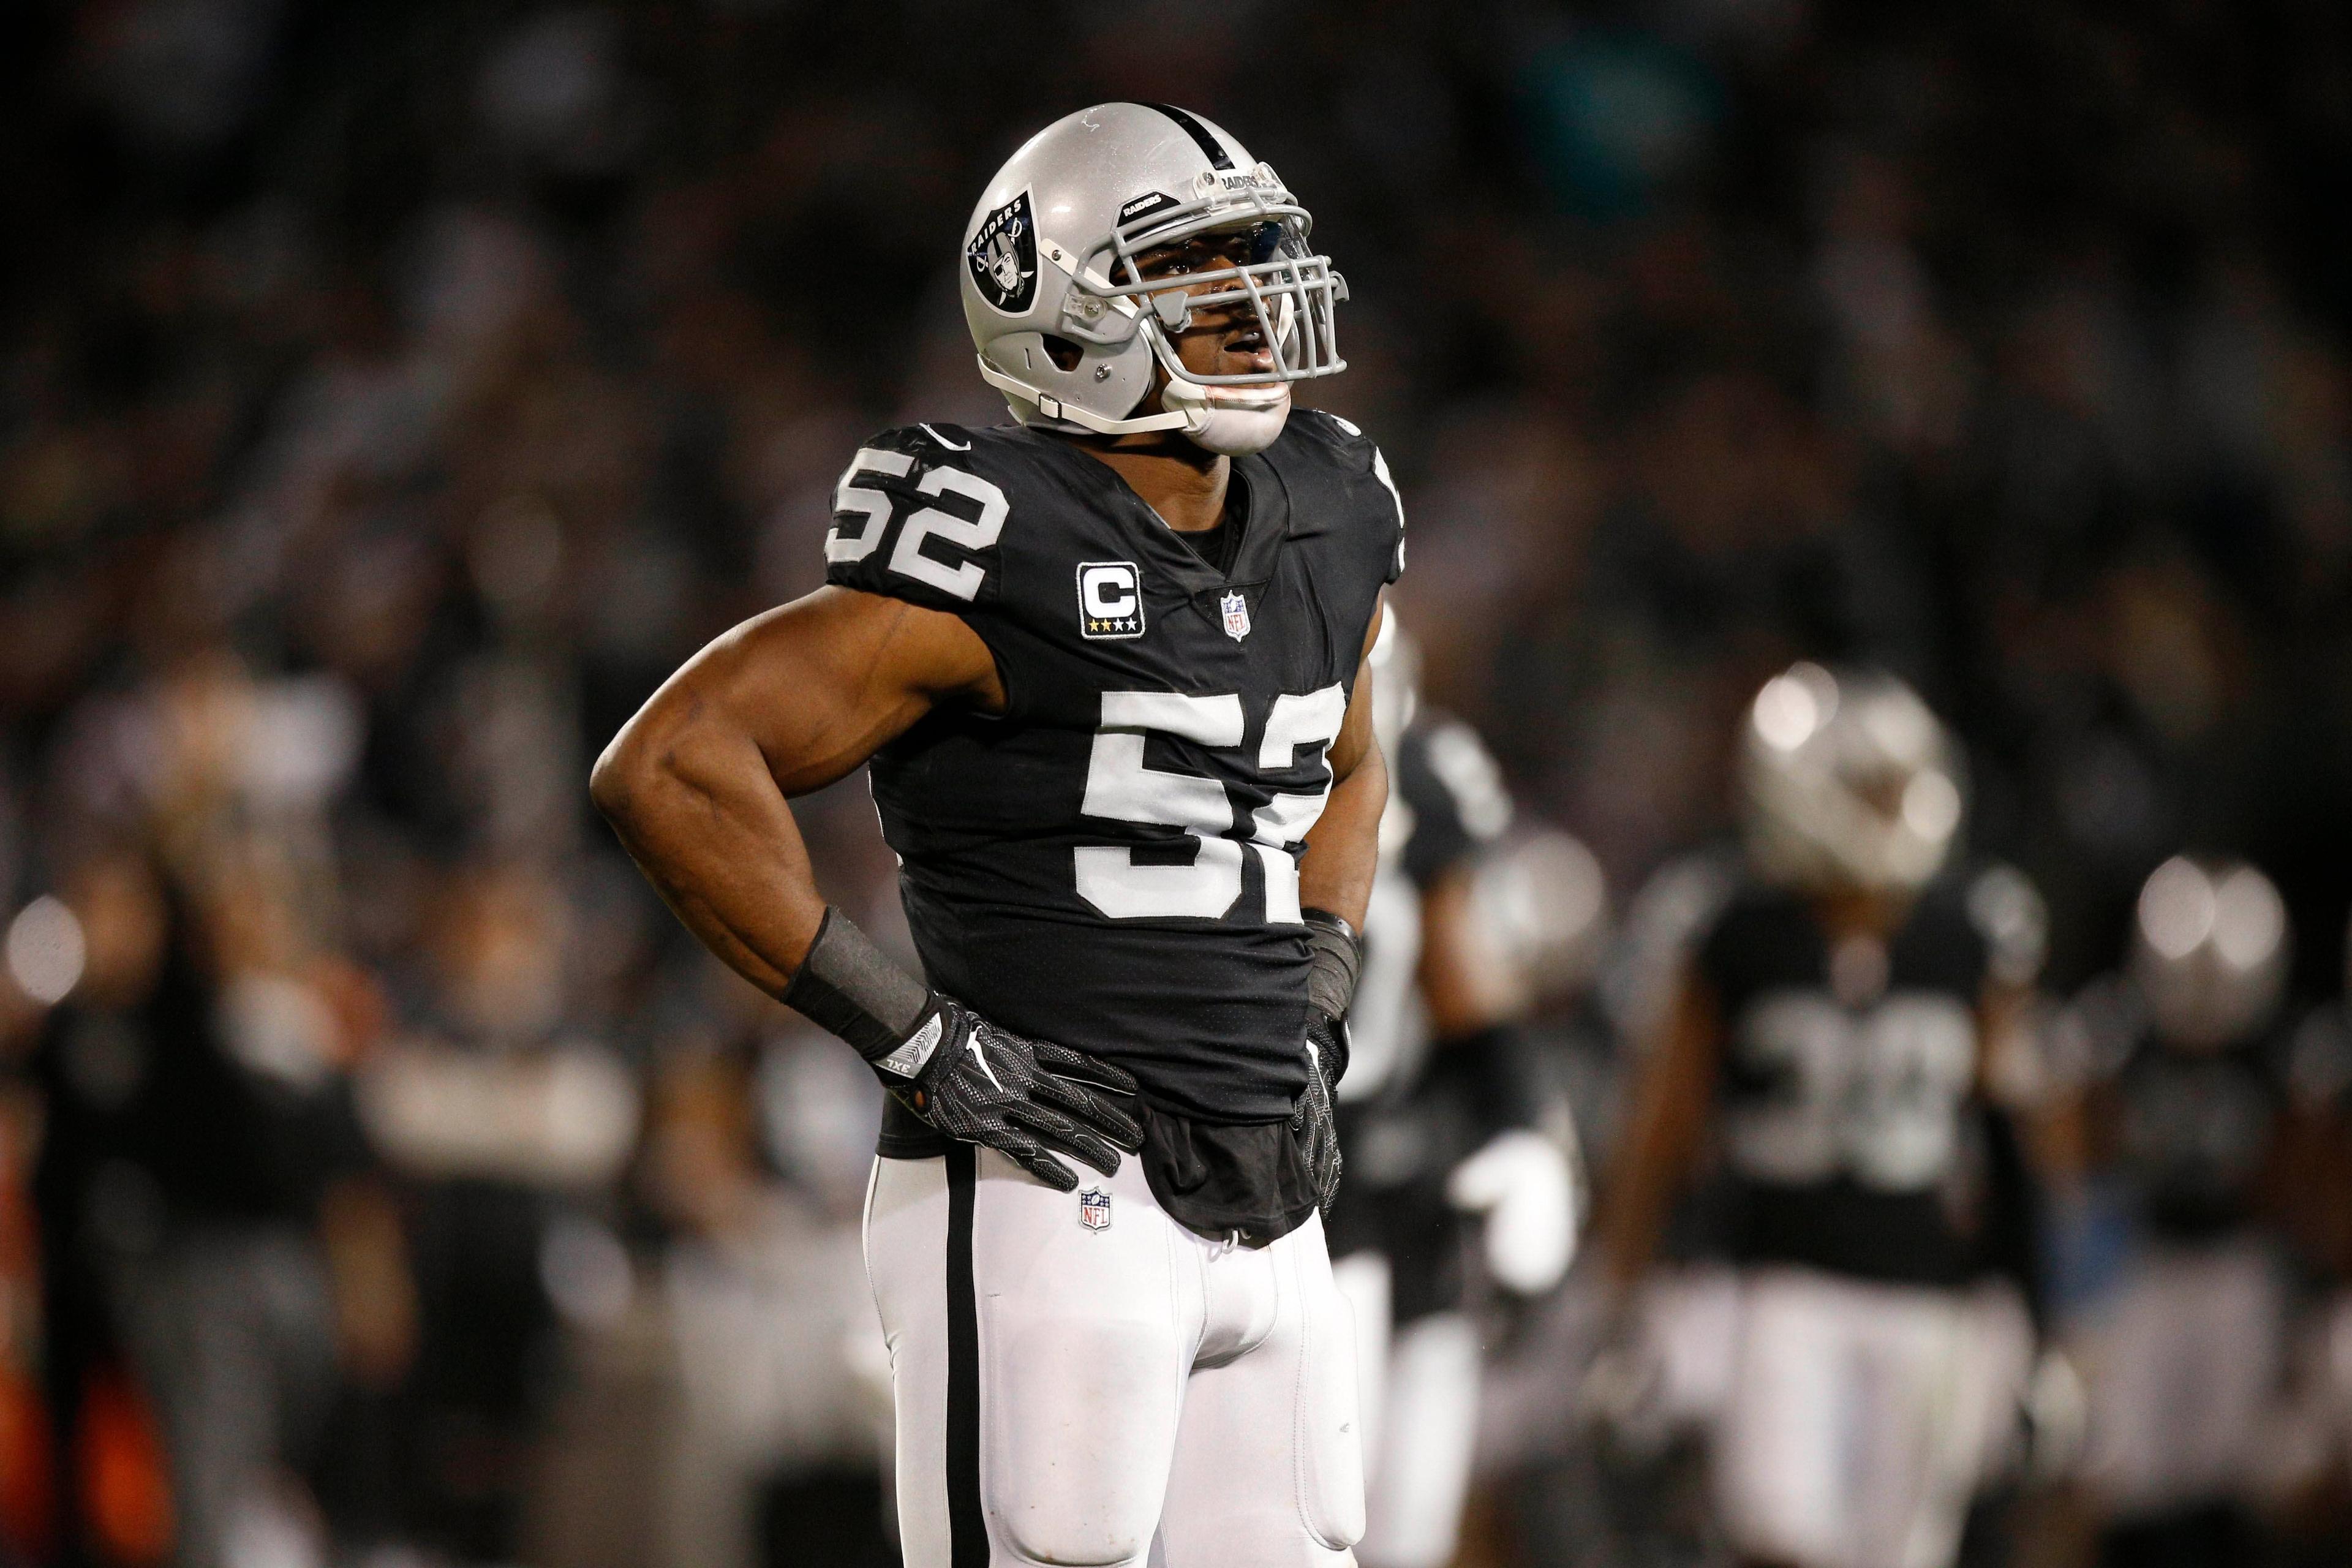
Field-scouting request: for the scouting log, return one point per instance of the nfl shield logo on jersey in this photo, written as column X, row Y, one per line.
column 1236, row 609
column 1094, row 1209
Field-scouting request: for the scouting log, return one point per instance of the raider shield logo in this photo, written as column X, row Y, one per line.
column 1002, row 256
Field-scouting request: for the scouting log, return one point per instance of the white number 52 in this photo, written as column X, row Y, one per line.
column 1120, row 787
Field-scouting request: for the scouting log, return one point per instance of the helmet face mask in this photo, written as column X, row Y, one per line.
column 1060, row 246
column 1293, row 293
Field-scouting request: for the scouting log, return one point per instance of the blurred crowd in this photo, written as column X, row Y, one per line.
column 391, row 395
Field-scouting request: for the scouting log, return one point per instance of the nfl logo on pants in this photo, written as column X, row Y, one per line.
column 1094, row 1209
column 1236, row 609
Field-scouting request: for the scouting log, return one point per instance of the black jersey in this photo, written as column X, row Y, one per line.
column 1113, row 862
column 1845, row 1121
column 2193, row 1133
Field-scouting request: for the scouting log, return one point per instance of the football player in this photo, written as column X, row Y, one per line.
column 1830, row 1033
column 2183, row 1097
column 1108, row 667
column 1443, row 1116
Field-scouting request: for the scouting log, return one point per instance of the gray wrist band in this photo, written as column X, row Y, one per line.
column 1335, row 957
column 850, row 986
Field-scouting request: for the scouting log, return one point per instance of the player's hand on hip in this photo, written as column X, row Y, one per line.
column 1028, row 1099
column 1313, row 1119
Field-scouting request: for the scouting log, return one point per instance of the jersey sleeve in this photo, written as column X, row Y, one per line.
column 913, row 519
column 1358, row 450
column 1454, row 789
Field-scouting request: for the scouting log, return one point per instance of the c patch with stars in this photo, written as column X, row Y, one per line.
column 1110, row 599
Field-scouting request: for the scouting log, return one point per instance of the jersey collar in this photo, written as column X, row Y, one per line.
column 1265, row 524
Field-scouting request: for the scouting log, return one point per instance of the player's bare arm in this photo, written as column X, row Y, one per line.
column 697, row 785
column 1343, row 848
column 1664, row 1134
column 1335, row 884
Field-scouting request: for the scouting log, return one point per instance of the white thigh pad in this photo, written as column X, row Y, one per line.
column 1085, row 1415
column 1330, row 1452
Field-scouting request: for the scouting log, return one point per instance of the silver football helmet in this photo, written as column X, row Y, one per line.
column 1067, row 326
column 1542, row 898
column 1847, row 781
column 2210, row 952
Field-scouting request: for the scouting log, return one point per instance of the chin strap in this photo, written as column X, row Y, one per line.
column 1191, row 407
column 1052, row 407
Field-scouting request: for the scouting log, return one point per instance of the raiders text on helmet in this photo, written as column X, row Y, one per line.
column 1065, row 325
column 1847, row 780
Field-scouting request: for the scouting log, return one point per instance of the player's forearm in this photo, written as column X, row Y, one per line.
column 1660, row 1141
column 695, row 805
column 1633, row 1205
column 1343, row 847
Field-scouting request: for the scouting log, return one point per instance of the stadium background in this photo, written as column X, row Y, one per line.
column 391, row 394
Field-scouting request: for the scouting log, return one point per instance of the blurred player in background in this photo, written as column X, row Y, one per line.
column 2183, row 1092
column 2316, row 1190
column 218, row 1255
column 1833, row 1032
column 1456, row 1144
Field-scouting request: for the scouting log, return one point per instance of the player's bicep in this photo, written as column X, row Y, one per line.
column 819, row 685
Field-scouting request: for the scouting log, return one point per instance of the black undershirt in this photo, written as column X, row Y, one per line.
column 1215, row 545
column 1218, row 545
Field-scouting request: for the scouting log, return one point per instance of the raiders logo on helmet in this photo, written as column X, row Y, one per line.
column 1002, row 256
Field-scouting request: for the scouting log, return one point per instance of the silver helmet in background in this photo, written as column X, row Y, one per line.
column 1542, row 898
column 2210, row 952
column 1067, row 326
column 1847, row 781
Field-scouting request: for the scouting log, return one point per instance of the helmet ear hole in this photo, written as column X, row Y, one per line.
column 1064, row 354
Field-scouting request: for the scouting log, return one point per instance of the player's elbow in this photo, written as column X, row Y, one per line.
column 611, row 784
column 1367, row 779
column 626, row 775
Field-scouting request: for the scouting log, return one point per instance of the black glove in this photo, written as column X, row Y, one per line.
column 958, row 1071
column 1311, row 1120
column 1335, row 957
column 1023, row 1097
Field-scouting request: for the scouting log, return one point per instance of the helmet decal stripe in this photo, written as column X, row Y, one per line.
column 1218, row 157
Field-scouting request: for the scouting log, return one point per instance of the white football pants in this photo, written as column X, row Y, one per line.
column 1418, row 1389
column 2182, row 1364
column 1080, row 1380
column 1861, row 1417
